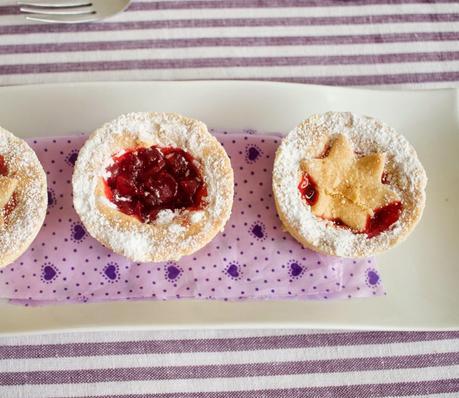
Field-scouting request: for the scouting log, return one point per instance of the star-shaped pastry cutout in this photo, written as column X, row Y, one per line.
column 349, row 187
column 7, row 188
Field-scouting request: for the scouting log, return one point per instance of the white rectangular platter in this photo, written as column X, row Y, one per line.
column 421, row 275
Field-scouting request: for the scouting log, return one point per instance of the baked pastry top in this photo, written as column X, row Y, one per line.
column 23, row 196
column 153, row 186
column 348, row 185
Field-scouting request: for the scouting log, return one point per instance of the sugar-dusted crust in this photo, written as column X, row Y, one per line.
column 308, row 140
column 23, row 223
column 173, row 234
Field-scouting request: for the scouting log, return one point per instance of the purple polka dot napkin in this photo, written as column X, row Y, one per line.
column 252, row 259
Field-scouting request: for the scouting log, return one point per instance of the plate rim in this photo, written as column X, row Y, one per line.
column 265, row 324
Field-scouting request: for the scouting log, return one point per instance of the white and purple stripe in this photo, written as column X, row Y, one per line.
column 412, row 43
column 377, row 42
column 220, row 364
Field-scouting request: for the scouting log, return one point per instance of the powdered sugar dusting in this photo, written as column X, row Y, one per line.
column 308, row 140
column 166, row 216
column 169, row 236
column 23, row 223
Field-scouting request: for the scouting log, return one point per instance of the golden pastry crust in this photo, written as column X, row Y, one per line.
column 349, row 187
column 172, row 234
column 25, row 184
column 407, row 181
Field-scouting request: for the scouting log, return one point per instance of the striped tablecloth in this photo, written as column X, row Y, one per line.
column 410, row 43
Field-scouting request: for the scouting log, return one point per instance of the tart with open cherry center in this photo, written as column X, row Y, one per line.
column 153, row 186
column 23, row 197
column 348, row 185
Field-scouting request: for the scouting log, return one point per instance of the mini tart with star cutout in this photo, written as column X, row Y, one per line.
column 348, row 185
column 23, row 197
column 153, row 186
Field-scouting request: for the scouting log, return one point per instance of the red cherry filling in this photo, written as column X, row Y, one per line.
column 385, row 179
column 308, row 190
column 3, row 166
column 144, row 181
column 383, row 218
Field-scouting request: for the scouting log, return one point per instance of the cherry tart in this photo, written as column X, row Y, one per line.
column 23, row 197
column 348, row 185
column 153, row 186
